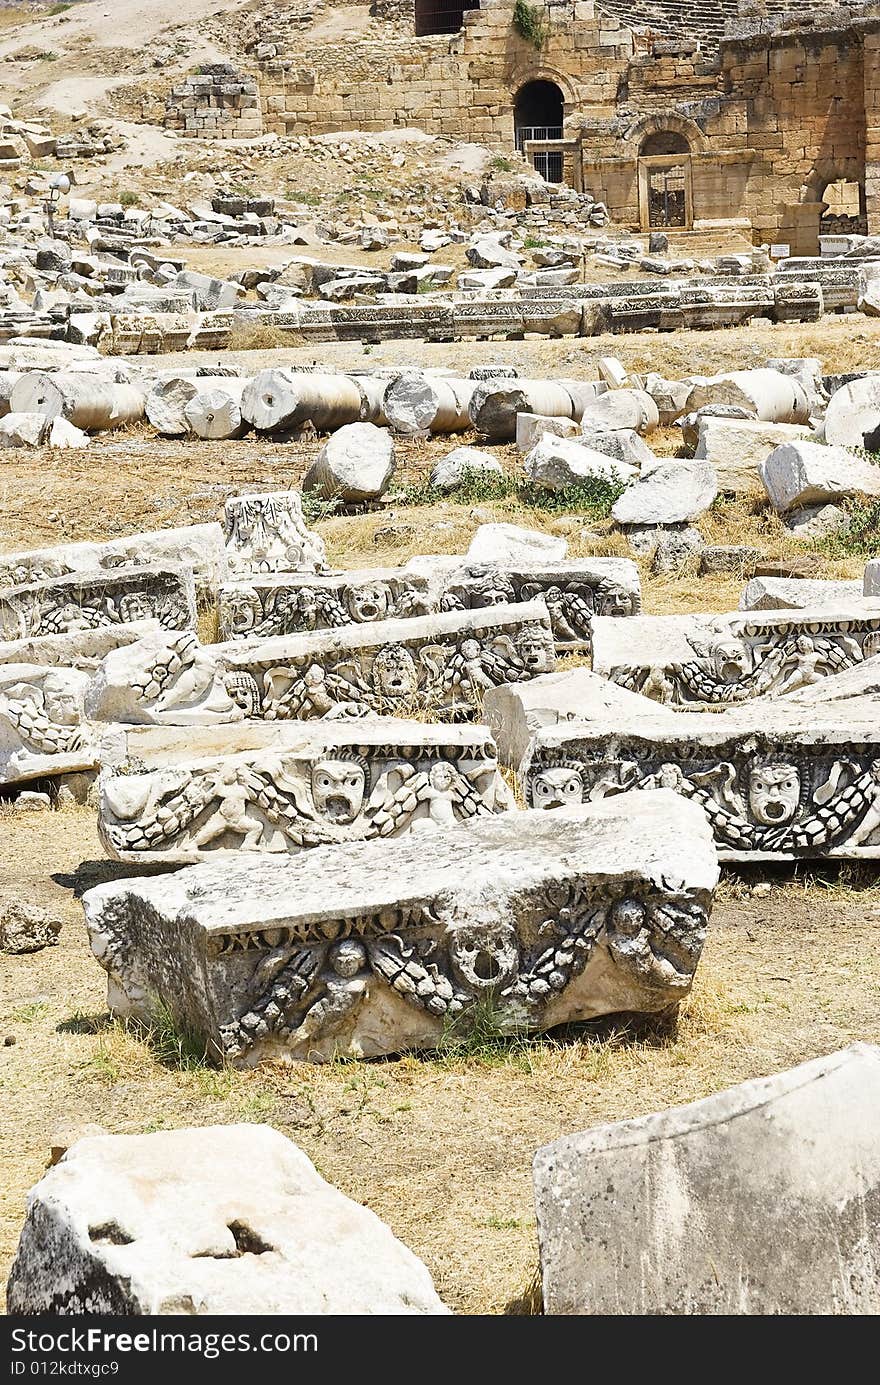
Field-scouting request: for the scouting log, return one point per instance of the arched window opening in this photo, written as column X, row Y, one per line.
column 662, row 143
column 538, row 115
column 538, row 112
column 441, row 16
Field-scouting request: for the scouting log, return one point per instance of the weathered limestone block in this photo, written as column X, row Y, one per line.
column 798, row 1157
column 554, row 918
column 440, row 664
column 24, row 927
column 810, row 473
column 509, row 543
column 82, row 649
column 289, row 604
column 726, row 659
column 267, row 533
column 87, row 600
column 223, row 1220
column 197, row 546
column 355, row 464
column 736, row 448
column 184, row 795
column 531, row 428
column 463, row 462
column 556, row 463
column 872, row 578
column 852, row 418
column 671, row 493
column 798, row 593
column 776, row 783
column 515, row 711
column 633, row 409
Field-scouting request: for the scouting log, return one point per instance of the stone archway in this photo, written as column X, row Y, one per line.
column 539, row 106
column 441, row 16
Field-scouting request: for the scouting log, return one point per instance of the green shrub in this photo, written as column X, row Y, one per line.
column 530, row 23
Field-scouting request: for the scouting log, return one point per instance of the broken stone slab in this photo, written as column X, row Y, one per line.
column 776, row 782
column 812, row 522
column 506, row 544
column 24, row 927
column 798, row 593
column 165, row 1223
column 183, row 795
column 810, row 473
column 440, row 663
column 738, row 559
column 871, row 581
column 736, row 448
column 557, row 917
column 83, row 649
column 530, row 428
column 355, row 465
column 852, row 418
column 672, row 493
column 624, row 444
column 727, row 659
column 454, row 469
column 632, row 409
column 24, row 430
column 800, row 1155
column 196, row 546
column 266, row 532
column 287, row 604
column 514, row 712
column 556, row 463
column 87, row 600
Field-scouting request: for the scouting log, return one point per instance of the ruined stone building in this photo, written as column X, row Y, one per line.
column 673, row 112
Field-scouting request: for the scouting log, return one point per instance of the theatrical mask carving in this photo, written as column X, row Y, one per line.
column 306, row 991
column 281, row 803
column 794, row 804
column 736, row 666
column 557, row 787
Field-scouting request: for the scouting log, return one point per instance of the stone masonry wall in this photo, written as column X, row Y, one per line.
column 217, row 103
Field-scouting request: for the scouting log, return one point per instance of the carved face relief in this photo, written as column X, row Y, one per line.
column 615, row 602
column 535, row 647
column 372, row 602
column 241, row 611
column 484, row 955
column 338, row 788
column 557, row 788
column 347, row 958
column 60, row 702
column 493, row 589
column 394, row 672
column 135, row 606
column 243, row 690
column 774, row 792
column 731, row 661
column 871, row 644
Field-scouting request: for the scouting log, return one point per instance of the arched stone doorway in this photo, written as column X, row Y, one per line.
column 665, row 186
column 441, row 16
column 538, row 113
